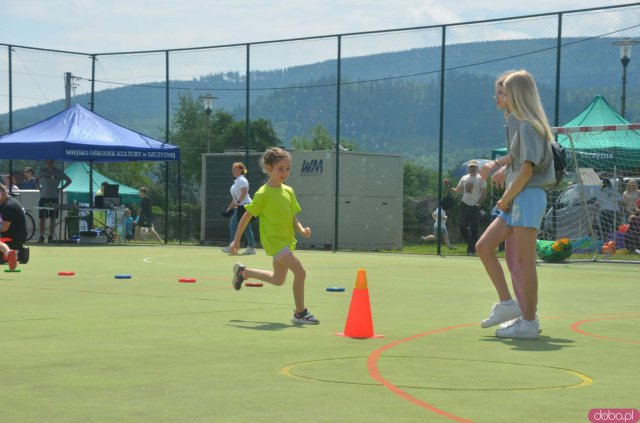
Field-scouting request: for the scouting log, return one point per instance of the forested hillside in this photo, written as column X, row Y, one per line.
column 389, row 102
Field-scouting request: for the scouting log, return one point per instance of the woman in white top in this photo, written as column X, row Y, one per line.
column 239, row 198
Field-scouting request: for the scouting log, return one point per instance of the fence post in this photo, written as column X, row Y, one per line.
column 441, row 133
column 337, row 145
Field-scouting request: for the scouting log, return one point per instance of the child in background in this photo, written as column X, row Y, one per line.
column 128, row 225
column 276, row 205
column 443, row 229
column 529, row 171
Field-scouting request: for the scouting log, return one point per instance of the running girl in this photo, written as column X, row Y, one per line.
column 276, row 205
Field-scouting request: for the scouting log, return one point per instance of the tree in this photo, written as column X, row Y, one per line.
column 196, row 133
column 420, row 181
column 320, row 140
column 261, row 133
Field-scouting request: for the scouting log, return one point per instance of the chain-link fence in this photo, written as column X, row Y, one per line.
column 422, row 93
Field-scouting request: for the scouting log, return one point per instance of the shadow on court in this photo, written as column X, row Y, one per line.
column 243, row 324
column 543, row 343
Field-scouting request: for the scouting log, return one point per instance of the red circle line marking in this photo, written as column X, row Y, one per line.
column 576, row 328
column 372, row 365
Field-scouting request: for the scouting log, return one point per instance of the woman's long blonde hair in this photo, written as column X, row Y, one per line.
column 524, row 102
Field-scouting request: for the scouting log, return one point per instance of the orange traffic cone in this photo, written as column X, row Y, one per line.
column 359, row 322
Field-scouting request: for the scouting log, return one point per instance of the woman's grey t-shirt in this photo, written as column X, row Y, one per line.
column 524, row 143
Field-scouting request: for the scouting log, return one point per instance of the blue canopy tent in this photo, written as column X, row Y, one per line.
column 78, row 134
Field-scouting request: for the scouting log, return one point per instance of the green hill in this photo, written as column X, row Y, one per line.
column 389, row 102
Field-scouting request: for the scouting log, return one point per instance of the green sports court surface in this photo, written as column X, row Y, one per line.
column 93, row 348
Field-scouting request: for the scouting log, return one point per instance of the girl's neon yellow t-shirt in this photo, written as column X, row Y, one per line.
column 276, row 208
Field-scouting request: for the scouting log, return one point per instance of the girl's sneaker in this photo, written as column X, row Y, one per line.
column 237, row 279
column 249, row 251
column 304, row 318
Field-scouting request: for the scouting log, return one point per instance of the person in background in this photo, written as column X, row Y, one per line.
column 128, row 225
column 630, row 197
column 48, row 182
column 608, row 205
column 29, row 181
column 632, row 235
column 13, row 226
column 474, row 191
column 239, row 198
column 145, row 218
column 9, row 256
column 100, row 217
column 14, row 187
column 103, row 186
column 443, row 229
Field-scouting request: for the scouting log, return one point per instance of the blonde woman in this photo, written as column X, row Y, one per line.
column 528, row 171
column 507, row 307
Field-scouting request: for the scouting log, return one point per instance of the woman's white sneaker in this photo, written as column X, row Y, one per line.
column 505, row 324
column 501, row 313
column 519, row 329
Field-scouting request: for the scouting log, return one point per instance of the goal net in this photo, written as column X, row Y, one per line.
column 595, row 204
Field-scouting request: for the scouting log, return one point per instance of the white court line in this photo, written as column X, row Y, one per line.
column 148, row 259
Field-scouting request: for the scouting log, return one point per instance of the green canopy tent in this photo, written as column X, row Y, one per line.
column 603, row 151
column 78, row 191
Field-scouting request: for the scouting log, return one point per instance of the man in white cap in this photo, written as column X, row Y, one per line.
column 474, row 191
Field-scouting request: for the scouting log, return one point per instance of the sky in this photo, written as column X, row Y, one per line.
column 105, row 26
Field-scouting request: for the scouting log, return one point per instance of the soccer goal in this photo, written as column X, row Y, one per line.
column 588, row 207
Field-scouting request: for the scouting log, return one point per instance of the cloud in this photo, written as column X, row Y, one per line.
column 98, row 26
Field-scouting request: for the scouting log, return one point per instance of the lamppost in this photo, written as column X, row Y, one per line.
column 625, row 58
column 207, row 103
